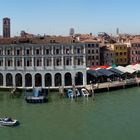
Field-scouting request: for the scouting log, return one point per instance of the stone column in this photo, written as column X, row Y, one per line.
column 84, row 78
column 4, row 80
column 72, row 56
column 43, row 80
column 53, row 80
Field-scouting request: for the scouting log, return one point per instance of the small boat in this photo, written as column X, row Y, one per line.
column 39, row 96
column 85, row 92
column 73, row 94
column 8, row 122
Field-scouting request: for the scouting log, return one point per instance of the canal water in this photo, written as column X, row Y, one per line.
column 112, row 116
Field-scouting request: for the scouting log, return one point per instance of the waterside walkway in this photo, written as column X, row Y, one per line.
column 107, row 86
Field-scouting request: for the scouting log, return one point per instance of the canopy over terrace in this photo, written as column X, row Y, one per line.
column 135, row 67
column 106, row 72
column 116, row 71
column 94, row 73
column 94, row 76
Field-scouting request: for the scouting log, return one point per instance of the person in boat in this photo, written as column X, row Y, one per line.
column 8, row 119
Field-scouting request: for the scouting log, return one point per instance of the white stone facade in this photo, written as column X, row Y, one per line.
column 47, row 65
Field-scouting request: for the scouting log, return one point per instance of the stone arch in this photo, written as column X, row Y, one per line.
column 1, row 79
column 28, row 80
column 48, row 80
column 58, row 79
column 18, row 80
column 79, row 78
column 9, row 79
column 68, row 79
column 38, row 80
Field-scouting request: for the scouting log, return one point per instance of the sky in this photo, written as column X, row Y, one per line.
column 56, row 17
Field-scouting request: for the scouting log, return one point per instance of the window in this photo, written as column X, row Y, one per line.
column 67, row 51
column 67, row 61
column 57, row 62
column 89, row 57
column 78, row 50
column 88, row 45
column 28, row 63
column 92, row 57
column 124, row 53
column 92, row 45
column 120, row 53
column 17, row 52
column 78, row 61
column 18, row 63
column 116, row 54
column 8, row 52
column 47, row 51
column 9, row 63
column 97, row 51
column 48, row 62
column 37, row 52
column 92, row 51
column 1, row 62
column 97, row 57
column 97, row 45
column 88, row 51
column 37, row 63
column 1, row 53
column 27, row 51
column 57, row 51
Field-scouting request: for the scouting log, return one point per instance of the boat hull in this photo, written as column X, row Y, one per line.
column 36, row 100
column 13, row 123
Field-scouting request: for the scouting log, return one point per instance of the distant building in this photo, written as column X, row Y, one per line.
column 6, row 27
column 72, row 32
column 117, row 31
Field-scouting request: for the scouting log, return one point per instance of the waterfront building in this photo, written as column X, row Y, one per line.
column 120, row 53
column 44, row 63
column 6, row 27
column 92, row 52
column 107, row 55
column 133, row 51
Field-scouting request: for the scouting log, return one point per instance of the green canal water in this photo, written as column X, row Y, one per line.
column 112, row 116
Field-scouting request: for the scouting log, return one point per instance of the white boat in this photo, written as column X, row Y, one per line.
column 85, row 92
column 73, row 94
column 8, row 122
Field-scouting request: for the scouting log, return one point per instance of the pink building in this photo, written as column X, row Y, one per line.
column 133, row 51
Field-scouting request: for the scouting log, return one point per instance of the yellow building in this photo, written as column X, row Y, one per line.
column 120, row 53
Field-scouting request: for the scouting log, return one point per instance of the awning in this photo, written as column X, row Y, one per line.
column 126, row 69
column 106, row 72
column 116, row 71
column 121, row 68
column 94, row 73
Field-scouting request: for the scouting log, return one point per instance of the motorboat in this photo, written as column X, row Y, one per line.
column 70, row 93
column 8, row 122
column 73, row 93
column 85, row 92
column 39, row 96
